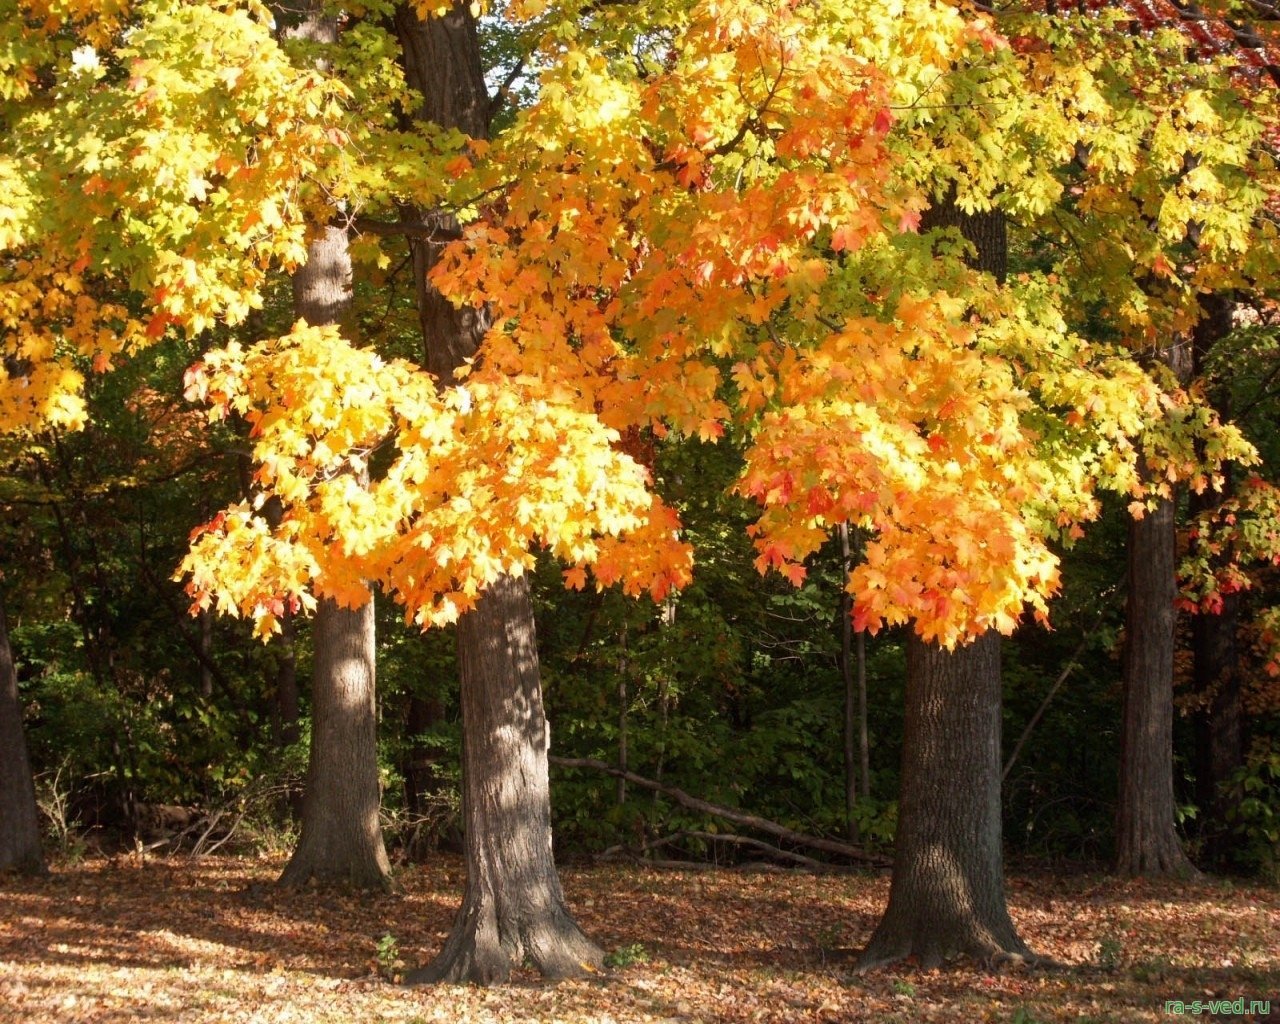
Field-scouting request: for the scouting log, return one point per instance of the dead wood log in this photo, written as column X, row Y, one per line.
column 693, row 803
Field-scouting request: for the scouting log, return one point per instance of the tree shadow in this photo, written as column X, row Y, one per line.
column 169, row 915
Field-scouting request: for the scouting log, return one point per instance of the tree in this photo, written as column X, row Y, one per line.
column 636, row 232
column 19, row 819
column 1172, row 230
column 513, row 906
column 1146, row 839
column 341, row 838
column 947, row 893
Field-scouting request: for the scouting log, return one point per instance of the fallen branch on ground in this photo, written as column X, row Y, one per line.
column 693, row 803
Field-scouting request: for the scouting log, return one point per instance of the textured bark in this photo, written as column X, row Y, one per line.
column 985, row 229
column 19, row 819
column 442, row 62
column 1146, row 837
column 513, row 906
column 341, row 840
column 947, row 896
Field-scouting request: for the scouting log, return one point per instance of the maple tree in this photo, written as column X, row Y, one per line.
column 1158, row 238
column 341, row 837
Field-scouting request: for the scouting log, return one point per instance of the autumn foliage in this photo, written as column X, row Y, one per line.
column 708, row 224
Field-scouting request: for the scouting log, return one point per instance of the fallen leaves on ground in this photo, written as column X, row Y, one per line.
column 212, row 940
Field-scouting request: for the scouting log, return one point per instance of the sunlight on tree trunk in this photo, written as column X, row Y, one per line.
column 513, row 907
column 341, row 839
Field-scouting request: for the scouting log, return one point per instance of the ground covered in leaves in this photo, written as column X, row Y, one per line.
column 212, row 940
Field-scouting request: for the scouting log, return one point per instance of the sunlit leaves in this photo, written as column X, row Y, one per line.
column 166, row 165
column 469, row 481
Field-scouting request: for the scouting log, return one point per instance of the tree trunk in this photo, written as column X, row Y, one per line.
column 513, row 906
column 1219, row 716
column 420, row 765
column 1219, row 726
column 947, row 895
column 19, row 820
column 1146, row 838
column 848, row 677
column 341, row 840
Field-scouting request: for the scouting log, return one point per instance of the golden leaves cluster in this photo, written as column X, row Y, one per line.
column 154, row 183
column 432, row 494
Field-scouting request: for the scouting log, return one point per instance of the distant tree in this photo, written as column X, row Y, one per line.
column 20, row 849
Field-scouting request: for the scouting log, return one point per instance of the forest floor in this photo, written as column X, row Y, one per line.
column 212, row 940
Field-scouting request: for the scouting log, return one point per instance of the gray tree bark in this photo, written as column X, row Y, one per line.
column 513, row 906
column 341, row 839
column 19, row 818
column 1146, row 838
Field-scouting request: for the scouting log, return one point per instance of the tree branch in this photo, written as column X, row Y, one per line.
column 694, row 803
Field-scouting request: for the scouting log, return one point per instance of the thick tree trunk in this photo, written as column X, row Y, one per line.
column 947, row 895
column 513, row 906
column 1146, row 839
column 341, row 839
column 19, row 819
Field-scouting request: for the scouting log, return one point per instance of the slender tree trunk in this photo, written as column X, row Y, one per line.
column 1219, row 726
column 287, row 698
column 1219, row 715
column 513, row 906
column 1146, row 837
column 848, row 677
column 341, row 839
column 421, row 762
column 19, row 819
column 623, row 699
column 947, row 895
column 864, row 737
